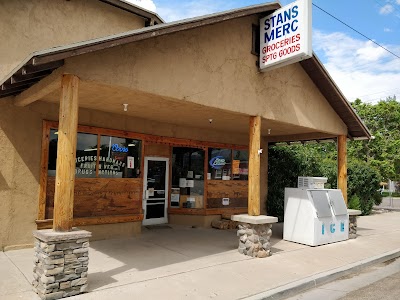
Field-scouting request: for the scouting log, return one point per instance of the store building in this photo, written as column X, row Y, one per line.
column 163, row 124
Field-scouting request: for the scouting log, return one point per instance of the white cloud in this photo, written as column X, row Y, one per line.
column 398, row 2
column 361, row 69
column 190, row 9
column 146, row 4
column 386, row 9
column 387, row 29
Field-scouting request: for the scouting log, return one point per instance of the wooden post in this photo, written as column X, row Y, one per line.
column 342, row 165
column 66, row 154
column 254, row 167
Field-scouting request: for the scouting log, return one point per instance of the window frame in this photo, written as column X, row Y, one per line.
column 49, row 125
column 145, row 140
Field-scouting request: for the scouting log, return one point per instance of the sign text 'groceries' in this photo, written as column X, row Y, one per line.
column 285, row 35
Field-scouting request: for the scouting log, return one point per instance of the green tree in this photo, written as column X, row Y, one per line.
column 383, row 120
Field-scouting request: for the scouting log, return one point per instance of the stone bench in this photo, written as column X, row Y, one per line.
column 254, row 234
column 353, row 213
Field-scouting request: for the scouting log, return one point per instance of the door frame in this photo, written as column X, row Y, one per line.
column 163, row 220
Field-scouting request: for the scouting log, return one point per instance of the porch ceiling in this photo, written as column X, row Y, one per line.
column 179, row 112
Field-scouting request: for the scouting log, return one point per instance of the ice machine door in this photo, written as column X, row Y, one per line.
column 321, row 203
column 337, row 202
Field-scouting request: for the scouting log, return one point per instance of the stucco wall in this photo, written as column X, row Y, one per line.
column 20, row 148
column 28, row 26
column 213, row 66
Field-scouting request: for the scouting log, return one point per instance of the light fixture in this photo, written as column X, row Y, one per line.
column 210, row 120
column 131, row 145
column 269, row 131
column 125, row 106
column 90, row 149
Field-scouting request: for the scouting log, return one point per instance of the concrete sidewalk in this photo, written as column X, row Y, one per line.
column 196, row 263
column 389, row 204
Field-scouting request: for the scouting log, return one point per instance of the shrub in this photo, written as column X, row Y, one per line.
column 283, row 169
column 287, row 163
column 363, row 182
column 354, row 202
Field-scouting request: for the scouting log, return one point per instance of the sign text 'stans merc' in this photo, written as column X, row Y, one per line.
column 286, row 35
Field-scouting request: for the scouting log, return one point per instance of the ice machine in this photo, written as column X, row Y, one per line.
column 315, row 216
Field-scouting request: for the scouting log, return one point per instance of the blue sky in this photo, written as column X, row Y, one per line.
column 360, row 68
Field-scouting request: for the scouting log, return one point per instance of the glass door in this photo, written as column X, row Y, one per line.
column 155, row 190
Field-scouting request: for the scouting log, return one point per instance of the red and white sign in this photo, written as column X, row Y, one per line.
column 285, row 35
column 130, row 162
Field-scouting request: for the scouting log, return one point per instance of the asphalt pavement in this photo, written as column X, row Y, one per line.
column 380, row 281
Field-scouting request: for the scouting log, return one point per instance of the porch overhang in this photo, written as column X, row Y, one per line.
column 146, row 106
column 36, row 68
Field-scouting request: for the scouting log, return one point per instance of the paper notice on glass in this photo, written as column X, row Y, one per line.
column 190, row 174
column 175, row 198
column 150, row 192
column 130, row 162
column 190, row 183
column 182, row 182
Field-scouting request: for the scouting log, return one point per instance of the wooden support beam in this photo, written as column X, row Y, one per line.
column 44, row 87
column 66, row 154
column 254, row 167
column 342, row 165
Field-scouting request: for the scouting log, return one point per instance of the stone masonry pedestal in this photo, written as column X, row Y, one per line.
column 254, row 234
column 353, row 213
column 60, row 263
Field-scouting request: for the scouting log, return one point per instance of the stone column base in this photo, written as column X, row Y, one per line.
column 353, row 213
column 254, row 234
column 352, row 227
column 60, row 263
column 254, row 239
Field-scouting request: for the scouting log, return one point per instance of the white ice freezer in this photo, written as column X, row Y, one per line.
column 315, row 216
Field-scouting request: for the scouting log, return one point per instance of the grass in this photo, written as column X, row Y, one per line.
column 386, row 194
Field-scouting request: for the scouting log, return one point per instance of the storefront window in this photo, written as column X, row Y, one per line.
column 187, row 189
column 53, row 141
column 219, row 164
column 240, row 165
column 119, row 157
column 86, row 155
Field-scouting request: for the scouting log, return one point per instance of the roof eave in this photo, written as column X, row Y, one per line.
column 152, row 17
column 338, row 94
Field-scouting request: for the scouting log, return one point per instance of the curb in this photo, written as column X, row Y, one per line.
column 389, row 208
column 295, row 287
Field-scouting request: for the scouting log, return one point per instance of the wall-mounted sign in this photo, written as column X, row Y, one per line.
column 118, row 148
column 217, row 162
column 285, row 35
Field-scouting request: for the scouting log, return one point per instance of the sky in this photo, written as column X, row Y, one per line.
column 360, row 68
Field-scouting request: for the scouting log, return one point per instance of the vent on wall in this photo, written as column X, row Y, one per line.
column 311, row 182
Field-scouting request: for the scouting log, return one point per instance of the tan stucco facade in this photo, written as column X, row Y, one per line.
column 205, row 66
column 20, row 145
column 173, row 84
column 29, row 26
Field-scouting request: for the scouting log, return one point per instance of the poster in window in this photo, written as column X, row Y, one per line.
column 130, row 162
column 235, row 166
